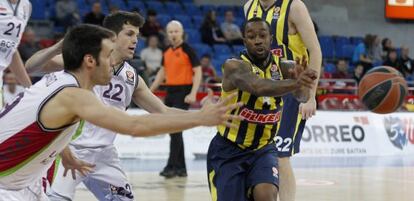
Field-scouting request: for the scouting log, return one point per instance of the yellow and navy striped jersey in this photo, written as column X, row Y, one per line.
column 261, row 114
column 285, row 46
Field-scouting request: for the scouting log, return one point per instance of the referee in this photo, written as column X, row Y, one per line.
column 182, row 74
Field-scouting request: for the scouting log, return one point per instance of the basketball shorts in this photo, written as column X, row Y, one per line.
column 32, row 193
column 234, row 172
column 291, row 128
column 107, row 182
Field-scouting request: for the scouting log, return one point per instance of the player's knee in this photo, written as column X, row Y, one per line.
column 265, row 192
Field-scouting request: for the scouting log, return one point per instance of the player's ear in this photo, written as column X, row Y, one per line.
column 89, row 60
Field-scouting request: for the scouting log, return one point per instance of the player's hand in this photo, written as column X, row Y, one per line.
column 308, row 109
column 190, row 98
column 70, row 162
column 215, row 113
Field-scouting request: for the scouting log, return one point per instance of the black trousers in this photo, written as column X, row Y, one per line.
column 175, row 98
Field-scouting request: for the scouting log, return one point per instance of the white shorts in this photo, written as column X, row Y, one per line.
column 32, row 193
column 106, row 182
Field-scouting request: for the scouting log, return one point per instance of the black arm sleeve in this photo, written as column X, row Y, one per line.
column 192, row 55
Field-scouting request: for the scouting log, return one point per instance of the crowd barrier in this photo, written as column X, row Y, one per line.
column 329, row 133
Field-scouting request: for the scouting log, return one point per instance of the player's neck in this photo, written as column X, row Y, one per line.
column 84, row 79
column 118, row 60
column 266, row 3
column 259, row 62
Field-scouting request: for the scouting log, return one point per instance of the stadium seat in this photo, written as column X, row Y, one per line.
column 192, row 10
column 136, row 4
column 120, row 4
column 185, row 20
column 202, row 49
column 157, row 6
column 140, row 46
column 206, row 8
column 40, row 12
column 198, row 21
column 217, row 66
column 164, row 19
column 355, row 40
column 330, row 68
column 193, row 36
column 348, row 51
column 222, row 49
column 237, row 49
column 327, row 46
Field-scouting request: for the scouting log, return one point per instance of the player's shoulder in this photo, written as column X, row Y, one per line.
column 234, row 64
column 297, row 5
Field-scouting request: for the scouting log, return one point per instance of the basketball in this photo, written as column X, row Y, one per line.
column 382, row 90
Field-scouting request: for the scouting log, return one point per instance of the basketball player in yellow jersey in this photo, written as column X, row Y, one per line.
column 294, row 37
column 242, row 161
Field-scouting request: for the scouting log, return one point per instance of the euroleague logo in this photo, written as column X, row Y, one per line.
column 400, row 131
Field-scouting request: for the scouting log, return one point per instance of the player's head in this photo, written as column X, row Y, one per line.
column 175, row 32
column 126, row 26
column 87, row 49
column 257, row 38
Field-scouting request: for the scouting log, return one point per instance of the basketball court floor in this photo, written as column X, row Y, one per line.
column 318, row 179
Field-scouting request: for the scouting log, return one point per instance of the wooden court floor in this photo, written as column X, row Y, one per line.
column 314, row 184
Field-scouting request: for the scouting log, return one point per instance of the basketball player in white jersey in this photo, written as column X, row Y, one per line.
column 14, row 15
column 94, row 144
column 40, row 122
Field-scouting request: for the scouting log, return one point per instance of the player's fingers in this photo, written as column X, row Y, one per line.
column 227, row 99
column 229, row 117
column 65, row 172
column 230, row 125
column 304, row 62
column 73, row 174
column 233, row 106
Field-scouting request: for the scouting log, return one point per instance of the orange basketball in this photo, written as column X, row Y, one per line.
column 382, row 90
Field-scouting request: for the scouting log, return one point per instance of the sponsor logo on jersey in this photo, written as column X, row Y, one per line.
column 400, row 131
column 275, row 72
column 278, row 52
column 3, row 11
column 255, row 116
column 130, row 77
column 275, row 172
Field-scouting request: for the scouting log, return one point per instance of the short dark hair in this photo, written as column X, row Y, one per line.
column 253, row 20
column 206, row 56
column 81, row 40
column 116, row 21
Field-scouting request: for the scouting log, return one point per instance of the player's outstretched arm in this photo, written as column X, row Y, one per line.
column 17, row 67
column 46, row 60
column 238, row 74
column 85, row 105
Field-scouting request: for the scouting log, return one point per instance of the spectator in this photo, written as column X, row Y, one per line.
column 375, row 51
column 392, row 60
column 151, row 26
column 113, row 9
column 95, row 16
column 10, row 89
column 341, row 69
column 182, row 74
column 210, row 32
column 209, row 72
column 29, row 44
column 386, row 47
column 230, row 30
column 358, row 72
column 152, row 56
column 361, row 53
column 67, row 13
column 406, row 62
